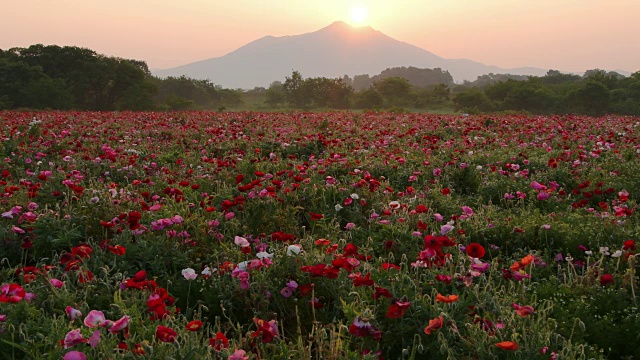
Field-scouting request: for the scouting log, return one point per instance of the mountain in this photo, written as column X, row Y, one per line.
column 333, row 51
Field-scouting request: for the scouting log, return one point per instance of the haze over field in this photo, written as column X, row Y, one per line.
column 570, row 35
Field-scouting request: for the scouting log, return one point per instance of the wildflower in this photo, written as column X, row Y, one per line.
column 73, row 313
column 194, row 325
column 523, row 310
column 73, row 338
column 189, row 274
column 475, row 250
column 507, row 345
column 117, row 249
column 447, row 299
column 444, row 229
column 56, row 283
column 238, row 355
column 349, row 226
column 434, row 324
column 293, row 250
column 629, row 245
column 267, row 330
column 11, row 293
column 606, row 279
column 363, row 328
column 94, row 340
column 120, row 324
column 219, row 342
column 96, row 318
column 397, row 309
column 165, row 334
column 315, row 217
column 74, row 355
column 467, row 210
column 444, row 278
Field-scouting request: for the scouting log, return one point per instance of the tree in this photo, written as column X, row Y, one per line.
column 368, row 99
column 396, row 91
column 275, row 95
column 472, row 100
column 295, row 91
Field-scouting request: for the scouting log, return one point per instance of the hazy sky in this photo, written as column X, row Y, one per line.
column 570, row 35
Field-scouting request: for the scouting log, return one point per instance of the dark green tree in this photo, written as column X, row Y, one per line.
column 396, row 91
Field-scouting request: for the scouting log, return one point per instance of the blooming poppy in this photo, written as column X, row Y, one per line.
column 117, row 249
column 507, row 345
column 629, row 245
column 96, row 318
column 11, row 293
column 397, row 309
column 219, row 342
column 165, row 334
column 315, row 217
column 194, row 325
column 434, row 324
column 606, row 279
column 523, row 310
column 475, row 250
column 446, row 299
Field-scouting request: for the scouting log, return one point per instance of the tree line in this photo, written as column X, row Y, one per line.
column 597, row 92
column 54, row 77
column 69, row 77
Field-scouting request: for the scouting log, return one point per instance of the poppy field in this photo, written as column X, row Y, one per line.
column 203, row 235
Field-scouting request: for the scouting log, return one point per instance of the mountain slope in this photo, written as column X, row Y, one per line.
column 333, row 51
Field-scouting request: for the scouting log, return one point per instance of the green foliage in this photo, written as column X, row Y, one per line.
column 396, row 91
column 315, row 92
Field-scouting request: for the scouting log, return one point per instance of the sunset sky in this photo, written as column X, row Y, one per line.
column 569, row 35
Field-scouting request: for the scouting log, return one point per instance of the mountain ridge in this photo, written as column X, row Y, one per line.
column 331, row 51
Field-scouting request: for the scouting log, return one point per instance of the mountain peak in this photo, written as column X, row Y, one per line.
column 343, row 27
column 337, row 49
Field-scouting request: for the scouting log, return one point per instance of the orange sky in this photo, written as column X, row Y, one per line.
column 569, row 35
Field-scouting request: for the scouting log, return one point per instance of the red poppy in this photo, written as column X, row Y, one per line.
column 11, row 293
column 606, row 279
column 323, row 242
column 194, row 325
column 82, row 250
column 118, row 249
column 381, row 292
column 507, row 345
column 629, row 245
column 523, row 310
column 362, row 281
column 165, row 334
column 315, row 217
column 444, row 278
column 434, row 324
column 397, row 309
column 389, row 266
column 350, row 249
column 475, row 250
column 134, row 220
column 447, row 299
column 219, row 342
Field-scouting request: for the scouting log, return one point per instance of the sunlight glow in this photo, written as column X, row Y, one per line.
column 358, row 15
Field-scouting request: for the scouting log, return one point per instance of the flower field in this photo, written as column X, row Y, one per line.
column 204, row 235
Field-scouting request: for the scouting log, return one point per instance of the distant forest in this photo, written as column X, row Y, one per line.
column 54, row 77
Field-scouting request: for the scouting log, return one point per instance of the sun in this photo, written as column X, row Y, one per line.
column 358, row 15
